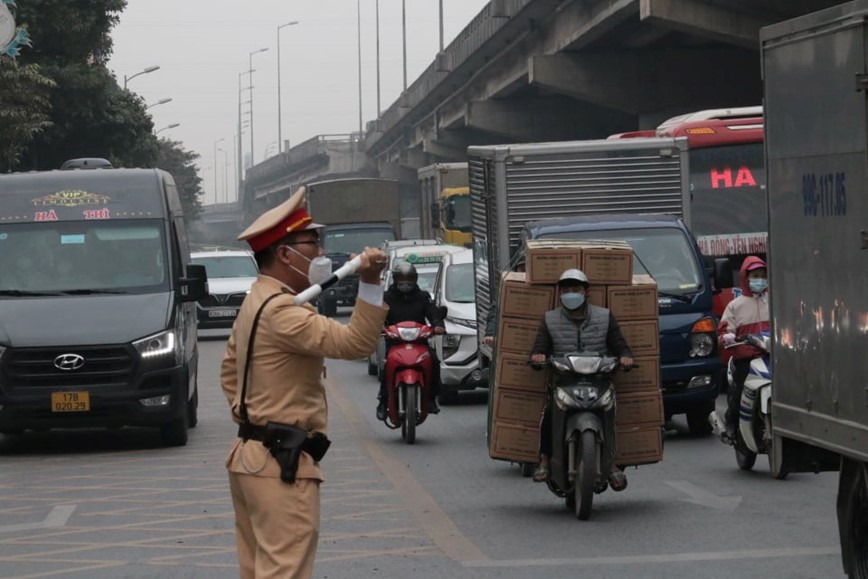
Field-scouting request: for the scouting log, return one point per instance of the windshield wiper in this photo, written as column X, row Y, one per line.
column 679, row 297
column 89, row 292
column 24, row 293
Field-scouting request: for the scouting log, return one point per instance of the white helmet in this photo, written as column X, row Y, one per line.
column 574, row 275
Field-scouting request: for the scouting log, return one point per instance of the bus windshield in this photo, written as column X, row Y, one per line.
column 729, row 215
column 118, row 256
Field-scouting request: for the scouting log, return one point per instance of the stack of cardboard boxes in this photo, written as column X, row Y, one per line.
column 519, row 392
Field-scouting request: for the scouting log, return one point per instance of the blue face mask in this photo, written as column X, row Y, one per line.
column 758, row 286
column 572, row 301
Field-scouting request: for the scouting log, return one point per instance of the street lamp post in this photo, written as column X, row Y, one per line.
column 166, row 128
column 216, row 196
column 141, row 72
column 378, row 58
column 359, row 32
column 240, row 167
column 225, row 195
column 159, row 102
column 251, row 98
column 279, row 118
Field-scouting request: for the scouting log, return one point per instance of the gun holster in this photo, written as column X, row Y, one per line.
column 286, row 442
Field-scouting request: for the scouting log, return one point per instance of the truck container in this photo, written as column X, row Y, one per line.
column 815, row 81
column 604, row 190
column 357, row 213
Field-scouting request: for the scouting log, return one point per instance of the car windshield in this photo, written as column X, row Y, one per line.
column 426, row 280
column 459, row 283
column 664, row 253
column 356, row 240
column 84, row 257
column 228, row 266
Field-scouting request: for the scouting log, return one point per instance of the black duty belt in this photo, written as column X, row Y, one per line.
column 251, row 432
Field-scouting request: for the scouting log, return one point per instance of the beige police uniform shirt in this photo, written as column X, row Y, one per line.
column 285, row 381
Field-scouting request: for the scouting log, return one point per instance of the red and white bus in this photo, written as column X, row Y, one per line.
column 729, row 214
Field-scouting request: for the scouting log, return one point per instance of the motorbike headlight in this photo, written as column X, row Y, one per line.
column 159, row 347
column 564, row 400
column 409, row 334
column 451, row 343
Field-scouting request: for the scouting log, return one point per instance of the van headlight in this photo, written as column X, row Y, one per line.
column 451, row 343
column 163, row 346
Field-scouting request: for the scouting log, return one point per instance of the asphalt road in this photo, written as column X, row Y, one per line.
column 99, row 504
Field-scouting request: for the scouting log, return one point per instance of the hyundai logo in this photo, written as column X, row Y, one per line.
column 69, row 362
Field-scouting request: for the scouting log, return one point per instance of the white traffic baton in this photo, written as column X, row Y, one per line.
column 349, row 268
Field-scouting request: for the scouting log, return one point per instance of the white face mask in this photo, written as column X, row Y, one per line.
column 319, row 268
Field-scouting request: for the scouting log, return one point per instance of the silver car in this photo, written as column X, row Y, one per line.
column 230, row 275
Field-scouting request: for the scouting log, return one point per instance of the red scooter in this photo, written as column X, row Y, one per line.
column 409, row 374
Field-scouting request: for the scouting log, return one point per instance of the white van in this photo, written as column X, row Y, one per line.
column 457, row 350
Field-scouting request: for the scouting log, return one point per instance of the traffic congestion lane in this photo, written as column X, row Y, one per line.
column 390, row 510
column 693, row 515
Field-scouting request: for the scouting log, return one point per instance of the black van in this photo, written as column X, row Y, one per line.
column 97, row 303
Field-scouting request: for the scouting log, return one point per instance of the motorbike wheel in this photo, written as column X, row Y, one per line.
column 587, row 470
column 745, row 457
column 408, row 427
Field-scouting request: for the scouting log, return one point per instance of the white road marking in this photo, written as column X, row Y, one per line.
column 671, row 558
column 699, row 496
column 58, row 517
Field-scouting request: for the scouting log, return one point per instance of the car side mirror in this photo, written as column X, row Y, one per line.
column 722, row 274
column 442, row 311
column 194, row 285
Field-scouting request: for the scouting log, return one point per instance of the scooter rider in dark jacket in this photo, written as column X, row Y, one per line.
column 409, row 303
column 577, row 326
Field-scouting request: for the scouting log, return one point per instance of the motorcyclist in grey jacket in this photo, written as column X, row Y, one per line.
column 576, row 326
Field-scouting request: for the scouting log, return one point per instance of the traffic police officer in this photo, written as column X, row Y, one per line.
column 277, row 523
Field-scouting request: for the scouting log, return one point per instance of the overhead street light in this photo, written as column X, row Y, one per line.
column 148, row 70
column 167, row 127
column 251, row 98
column 220, row 140
column 159, row 102
column 279, row 117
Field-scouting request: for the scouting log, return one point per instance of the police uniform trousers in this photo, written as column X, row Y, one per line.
column 276, row 526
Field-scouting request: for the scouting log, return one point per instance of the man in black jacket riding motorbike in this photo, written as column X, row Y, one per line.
column 577, row 326
column 409, row 303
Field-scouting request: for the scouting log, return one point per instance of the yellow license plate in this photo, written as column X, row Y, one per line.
column 70, row 401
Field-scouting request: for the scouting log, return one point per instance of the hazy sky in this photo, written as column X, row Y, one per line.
column 203, row 45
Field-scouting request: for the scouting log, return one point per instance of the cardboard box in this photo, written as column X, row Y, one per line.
column 643, row 337
column 546, row 261
column 597, row 296
column 516, row 442
column 635, row 446
column 517, row 335
column 515, row 373
column 645, row 378
column 609, row 265
column 633, row 302
column 643, row 409
column 517, row 406
column 519, row 299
